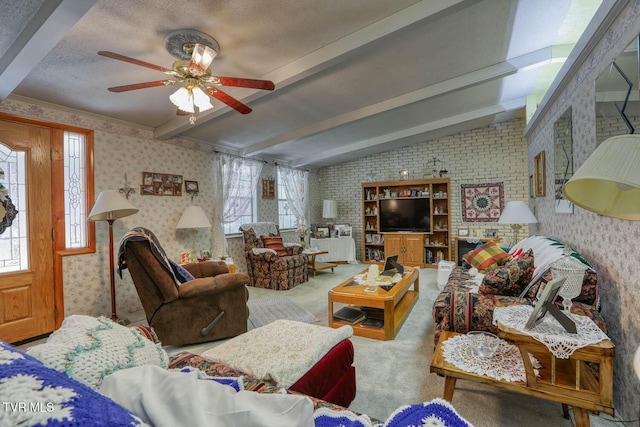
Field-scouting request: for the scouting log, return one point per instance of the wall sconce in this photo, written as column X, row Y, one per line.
column 126, row 190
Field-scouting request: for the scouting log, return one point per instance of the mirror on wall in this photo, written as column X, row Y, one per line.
column 617, row 100
column 562, row 160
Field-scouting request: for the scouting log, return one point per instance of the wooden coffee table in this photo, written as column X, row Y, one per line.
column 568, row 381
column 395, row 303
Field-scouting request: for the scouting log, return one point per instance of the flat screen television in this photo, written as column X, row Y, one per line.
column 405, row 215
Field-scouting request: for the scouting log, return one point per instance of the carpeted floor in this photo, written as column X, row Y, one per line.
column 263, row 311
column 394, row 373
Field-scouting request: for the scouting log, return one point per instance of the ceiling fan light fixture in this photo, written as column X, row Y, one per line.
column 201, row 59
column 183, row 99
column 201, row 99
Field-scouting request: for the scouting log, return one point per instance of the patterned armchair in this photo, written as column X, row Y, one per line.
column 265, row 268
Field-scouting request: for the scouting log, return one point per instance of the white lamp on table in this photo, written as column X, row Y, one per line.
column 517, row 213
column 192, row 219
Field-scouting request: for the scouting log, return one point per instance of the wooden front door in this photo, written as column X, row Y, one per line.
column 27, row 303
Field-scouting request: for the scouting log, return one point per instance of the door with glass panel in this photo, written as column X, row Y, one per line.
column 27, row 303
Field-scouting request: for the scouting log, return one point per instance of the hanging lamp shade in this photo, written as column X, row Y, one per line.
column 608, row 183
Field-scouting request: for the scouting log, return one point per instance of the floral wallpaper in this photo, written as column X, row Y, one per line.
column 608, row 243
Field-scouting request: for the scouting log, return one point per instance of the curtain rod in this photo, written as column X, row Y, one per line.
column 240, row 157
column 306, row 170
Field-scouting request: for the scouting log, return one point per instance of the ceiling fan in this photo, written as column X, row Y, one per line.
column 195, row 52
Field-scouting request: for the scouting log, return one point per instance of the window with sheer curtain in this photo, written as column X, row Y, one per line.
column 293, row 187
column 239, row 191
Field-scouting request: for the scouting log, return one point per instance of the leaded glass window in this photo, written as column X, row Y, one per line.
column 14, row 255
column 75, row 190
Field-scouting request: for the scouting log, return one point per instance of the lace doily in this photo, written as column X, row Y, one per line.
column 549, row 331
column 506, row 363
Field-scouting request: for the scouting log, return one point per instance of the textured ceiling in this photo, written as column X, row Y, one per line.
column 352, row 78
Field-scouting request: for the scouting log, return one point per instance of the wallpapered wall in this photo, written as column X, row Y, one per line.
column 609, row 244
column 122, row 148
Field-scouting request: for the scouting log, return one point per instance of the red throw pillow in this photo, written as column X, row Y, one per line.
column 275, row 243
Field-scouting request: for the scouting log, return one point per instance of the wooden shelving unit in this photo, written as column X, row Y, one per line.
column 433, row 247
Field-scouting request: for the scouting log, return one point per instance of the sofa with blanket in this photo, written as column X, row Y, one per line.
column 94, row 372
column 507, row 278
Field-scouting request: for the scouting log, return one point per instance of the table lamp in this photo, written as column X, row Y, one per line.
column 193, row 218
column 517, row 213
column 110, row 206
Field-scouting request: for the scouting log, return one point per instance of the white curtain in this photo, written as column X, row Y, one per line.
column 296, row 185
column 232, row 193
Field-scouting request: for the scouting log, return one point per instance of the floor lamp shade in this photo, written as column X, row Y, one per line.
column 329, row 209
column 109, row 206
column 608, row 182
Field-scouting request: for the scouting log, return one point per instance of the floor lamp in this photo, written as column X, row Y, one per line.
column 108, row 207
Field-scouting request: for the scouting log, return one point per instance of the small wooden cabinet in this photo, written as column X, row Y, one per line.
column 424, row 249
column 408, row 246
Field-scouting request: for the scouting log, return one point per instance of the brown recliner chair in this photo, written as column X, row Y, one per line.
column 210, row 307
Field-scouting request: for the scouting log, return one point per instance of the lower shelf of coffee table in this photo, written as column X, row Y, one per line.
column 389, row 331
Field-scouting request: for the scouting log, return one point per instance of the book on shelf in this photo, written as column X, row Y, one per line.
column 350, row 315
column 374, row 323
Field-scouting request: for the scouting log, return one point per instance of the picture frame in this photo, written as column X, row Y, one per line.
column 549, row 294
column 191, row 186
column 344, row 231
column 532, row 192
column 322, row 232
column 377, row 239
column 539, row 174
column 161, row 184
column 205, row 254
column 463, row 232
column 146, row 190
column 491, row 232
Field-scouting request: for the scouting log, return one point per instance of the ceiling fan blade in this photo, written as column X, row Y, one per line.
column 135, row 61
column 250, row 83
column 145, row 85
column 229, row 100
column 180, row 112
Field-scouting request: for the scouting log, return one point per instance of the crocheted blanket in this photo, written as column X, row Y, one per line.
column 36, row 395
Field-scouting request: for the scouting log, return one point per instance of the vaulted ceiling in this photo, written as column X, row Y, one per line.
column 352, row 78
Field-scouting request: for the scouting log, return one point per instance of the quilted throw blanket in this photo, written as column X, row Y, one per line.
column 141, row 234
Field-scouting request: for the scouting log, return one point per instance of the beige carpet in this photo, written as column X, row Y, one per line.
column 263, row 311
column 394, row 373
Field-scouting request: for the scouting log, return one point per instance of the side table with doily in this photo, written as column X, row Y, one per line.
column 577, row 375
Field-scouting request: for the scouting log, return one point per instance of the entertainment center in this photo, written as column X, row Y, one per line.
column 407, row 218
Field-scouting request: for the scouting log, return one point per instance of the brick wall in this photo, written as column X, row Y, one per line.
column 496, row 153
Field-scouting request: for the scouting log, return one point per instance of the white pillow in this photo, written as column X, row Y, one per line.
column 88, row 348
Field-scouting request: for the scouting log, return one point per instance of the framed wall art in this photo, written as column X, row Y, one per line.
column 538, row 175
column 161, row 184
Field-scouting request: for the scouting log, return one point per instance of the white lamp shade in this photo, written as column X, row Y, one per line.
column 183, row 99
column 329, row 209
column 193, row 217
column 111, row 205
column 517, row 212
column 201, row 99
column 608, row 182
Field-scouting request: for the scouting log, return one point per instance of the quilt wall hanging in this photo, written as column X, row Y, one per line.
column 482, row 202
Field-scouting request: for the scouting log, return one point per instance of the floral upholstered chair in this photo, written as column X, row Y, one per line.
column 271, row 263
